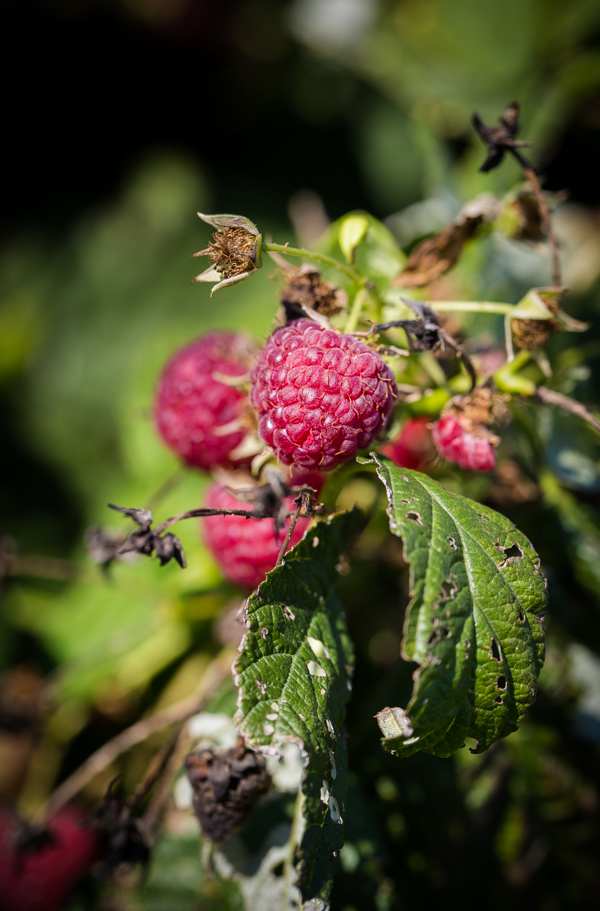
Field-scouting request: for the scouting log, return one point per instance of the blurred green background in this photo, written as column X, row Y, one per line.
column 124, row 118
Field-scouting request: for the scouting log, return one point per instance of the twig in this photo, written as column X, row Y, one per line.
column 546, row 219
column 165, row 488
column 551, row 397
column 212, row 678
column 40, row 567
column 501, row 140
column 199, row 513
column 154, row 814
column 462, row 355
column 290, row 531
column 157, row 767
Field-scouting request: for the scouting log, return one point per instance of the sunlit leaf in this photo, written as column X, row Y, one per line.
column 294, row 678
column 474, row 624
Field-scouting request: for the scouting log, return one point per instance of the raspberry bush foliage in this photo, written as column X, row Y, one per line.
column 332, row 573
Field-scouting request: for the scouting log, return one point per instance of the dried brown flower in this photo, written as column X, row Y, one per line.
column 234, row 252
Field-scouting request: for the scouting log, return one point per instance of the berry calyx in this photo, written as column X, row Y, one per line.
column 245, row 549
column 42, row 880
column 458, row 445
column 320, row 396
column 201, row 418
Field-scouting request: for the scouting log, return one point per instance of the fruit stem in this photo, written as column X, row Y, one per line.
column 318, row 257
column 362, row 296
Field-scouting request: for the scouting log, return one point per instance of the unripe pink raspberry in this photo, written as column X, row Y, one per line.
column 42, row 881
column 245, row 549
column 320, row 396
column 198, row 416
column 458, row 445
column 413, row 447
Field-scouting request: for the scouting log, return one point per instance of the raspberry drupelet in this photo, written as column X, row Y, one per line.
column 197, row 415
column 320, row 396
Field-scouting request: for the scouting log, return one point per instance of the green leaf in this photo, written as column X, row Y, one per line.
column 294, row 678
column 375, row 252
column 474, row 623
column 352, row 230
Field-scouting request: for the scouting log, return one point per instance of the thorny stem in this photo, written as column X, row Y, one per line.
column 215, row 674
column 317, row 257
column 551, row 397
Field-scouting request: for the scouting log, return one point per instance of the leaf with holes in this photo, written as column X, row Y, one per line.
column 294, row 678
column 474, row 623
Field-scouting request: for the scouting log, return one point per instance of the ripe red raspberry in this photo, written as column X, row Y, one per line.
column 413, row 447
column 245, row 549
column 458, row 445
column 193, row 410
column 320, row 396
column 42, row 881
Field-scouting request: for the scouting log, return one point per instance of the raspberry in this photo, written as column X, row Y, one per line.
column 42, row 881
column 245, row 549
column 413, row 447
column 459, row 445
column 320, row 396
column 193, row 410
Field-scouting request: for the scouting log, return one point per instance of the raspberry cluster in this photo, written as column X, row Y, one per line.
column 197, row 415
column 320, row 396
column 245, row 549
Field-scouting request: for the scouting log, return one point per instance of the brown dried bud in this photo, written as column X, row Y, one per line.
column 478, row 410
column 436, row 255
column 533, row 334
column 226, row 787
column 306, row 288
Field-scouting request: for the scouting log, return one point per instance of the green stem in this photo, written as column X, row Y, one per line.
column 470, row 306
column 318, row 257
column 360, row 299
column 295, row 836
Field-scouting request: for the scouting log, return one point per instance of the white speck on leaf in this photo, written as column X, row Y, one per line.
column 335, row 811
column 318, row 647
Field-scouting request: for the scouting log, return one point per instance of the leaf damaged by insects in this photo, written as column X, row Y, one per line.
column 294, row 678
column 474, row 622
